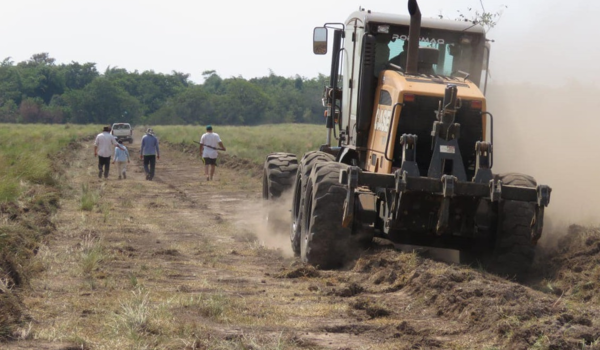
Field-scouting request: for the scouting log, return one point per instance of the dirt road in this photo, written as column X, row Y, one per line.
column 183, row 263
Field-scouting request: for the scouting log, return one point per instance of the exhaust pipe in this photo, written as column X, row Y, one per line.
column 414, row 32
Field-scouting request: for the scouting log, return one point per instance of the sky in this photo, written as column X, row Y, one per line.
column 253, row 38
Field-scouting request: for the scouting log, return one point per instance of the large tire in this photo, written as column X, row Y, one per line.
column 307, row 163
column 278, row 177
column 514, row 248
column 279, row 172
column 325, row 243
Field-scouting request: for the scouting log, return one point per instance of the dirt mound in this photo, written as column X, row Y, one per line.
column 25, row 225
column 298, row 272
column 490, row 308
column 572, row 268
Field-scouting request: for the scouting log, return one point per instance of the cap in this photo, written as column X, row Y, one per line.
column 209, row 127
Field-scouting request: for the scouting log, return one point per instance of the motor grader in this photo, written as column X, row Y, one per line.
column 409, row 149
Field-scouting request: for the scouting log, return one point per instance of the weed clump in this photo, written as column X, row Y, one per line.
column 89, row 198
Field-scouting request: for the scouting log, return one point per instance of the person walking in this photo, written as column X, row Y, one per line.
column 149, row 153
column 121, row 158
column 103, row 149
column 210, row 143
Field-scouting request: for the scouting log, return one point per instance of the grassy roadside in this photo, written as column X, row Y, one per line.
column 29, row 195
column 26, row 154
column 251, row 143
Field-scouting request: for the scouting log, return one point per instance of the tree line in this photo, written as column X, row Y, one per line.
column 40, row 91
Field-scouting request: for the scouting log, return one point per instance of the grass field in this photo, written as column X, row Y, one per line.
column 252, row 143
column 27, row 153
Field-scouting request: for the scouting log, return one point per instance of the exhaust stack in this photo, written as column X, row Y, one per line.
column 414, row 32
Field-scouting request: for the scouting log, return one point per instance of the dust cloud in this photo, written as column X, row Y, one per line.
column 544, row 96
column 550, row 132
column 272, row 224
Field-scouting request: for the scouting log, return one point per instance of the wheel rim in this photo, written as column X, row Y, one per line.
column 306, row 224
column 296, row 209
column 265, row 191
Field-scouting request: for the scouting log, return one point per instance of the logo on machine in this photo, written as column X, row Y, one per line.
column 432, row 41
column 447, row 149
column 383, row 119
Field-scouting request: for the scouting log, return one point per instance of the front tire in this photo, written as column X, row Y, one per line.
column 514, row 249
column 325, row 243
column 307, row 163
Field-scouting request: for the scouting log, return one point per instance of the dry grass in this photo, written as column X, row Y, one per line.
column 181, row 263
column 251, row 143
column 137, row 269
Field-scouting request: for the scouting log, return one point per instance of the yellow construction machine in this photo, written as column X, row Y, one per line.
column 409, row 149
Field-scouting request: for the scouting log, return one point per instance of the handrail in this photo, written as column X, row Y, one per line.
column 387, row 144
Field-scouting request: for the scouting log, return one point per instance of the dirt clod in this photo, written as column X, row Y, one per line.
column 298, row 272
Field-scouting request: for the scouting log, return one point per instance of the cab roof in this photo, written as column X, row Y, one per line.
column 366, row 17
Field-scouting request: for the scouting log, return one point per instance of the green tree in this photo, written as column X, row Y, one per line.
column 151, row 89
column 77, row 76
column 104, row 102
column 192, row 106
column 242, row 103
column 9, row 112
column 212, row 82
column 40, row 77
column 10, row 83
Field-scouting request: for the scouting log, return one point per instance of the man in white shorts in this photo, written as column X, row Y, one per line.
column 210, row 143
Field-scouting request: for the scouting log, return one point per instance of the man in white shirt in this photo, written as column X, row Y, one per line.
column 103, row 149
column 210, row 143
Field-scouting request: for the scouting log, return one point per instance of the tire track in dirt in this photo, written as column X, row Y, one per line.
column 178, row 237
column 179, row 262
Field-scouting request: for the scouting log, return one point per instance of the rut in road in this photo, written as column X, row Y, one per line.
column 180, row 262
column 168, row 262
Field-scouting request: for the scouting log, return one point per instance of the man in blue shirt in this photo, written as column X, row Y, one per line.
column 149, row 153
column 121, row 158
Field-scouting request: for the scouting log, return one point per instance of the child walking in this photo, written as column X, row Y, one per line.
column 121, row 158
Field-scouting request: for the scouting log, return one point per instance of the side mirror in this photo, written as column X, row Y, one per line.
column 320, row 41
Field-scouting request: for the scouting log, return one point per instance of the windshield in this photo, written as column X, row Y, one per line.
column 456, row 51
column 121, row 127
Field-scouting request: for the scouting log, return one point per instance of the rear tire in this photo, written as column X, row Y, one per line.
column 514, row 246
column 278, row 175
column 307, row 163
column 279, row 172
column 325, row 243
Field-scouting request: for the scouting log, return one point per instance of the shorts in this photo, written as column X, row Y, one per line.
column 210, row 161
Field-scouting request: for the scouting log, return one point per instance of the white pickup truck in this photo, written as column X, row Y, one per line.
column 122, row 131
